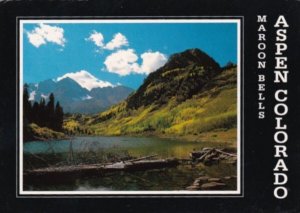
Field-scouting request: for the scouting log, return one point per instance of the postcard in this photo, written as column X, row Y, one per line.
column 153, row 116
column 174, row 108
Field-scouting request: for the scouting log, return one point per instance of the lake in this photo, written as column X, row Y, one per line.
column 105, row 149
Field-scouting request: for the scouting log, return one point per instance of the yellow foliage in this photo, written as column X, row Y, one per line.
column 70, row 124
column 44, row 132
column 194, row 116
column 180, row 128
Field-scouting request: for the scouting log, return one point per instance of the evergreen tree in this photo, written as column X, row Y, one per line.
column 26, row 112
column 42, row 113
column 34, row 112
column 26, row 105
column 59, row 117
column 50, row 120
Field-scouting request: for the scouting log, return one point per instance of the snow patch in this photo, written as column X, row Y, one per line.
column 86, row 80
column 44, row 96
column 87, row 97
column 32, row 95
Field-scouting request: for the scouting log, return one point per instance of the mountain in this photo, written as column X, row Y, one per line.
column 86, row 80
column 75, row 98
column 191, row 95
column 182, row 76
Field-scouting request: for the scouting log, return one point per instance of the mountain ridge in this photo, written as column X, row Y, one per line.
column 76, row 99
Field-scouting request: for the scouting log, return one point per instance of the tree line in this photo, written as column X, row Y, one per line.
column 43, row 114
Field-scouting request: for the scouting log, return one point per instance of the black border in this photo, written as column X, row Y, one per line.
column 241, row 194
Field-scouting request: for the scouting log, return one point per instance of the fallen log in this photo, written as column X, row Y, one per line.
column 96, row 169
column 142, row 158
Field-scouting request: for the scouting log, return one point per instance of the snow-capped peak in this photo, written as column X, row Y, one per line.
column 86, row 80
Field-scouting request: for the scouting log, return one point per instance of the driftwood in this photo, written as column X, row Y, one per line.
column 96, row 169
column 205, row 154
column 226, row 153
column 211, row 155
column 142, row 158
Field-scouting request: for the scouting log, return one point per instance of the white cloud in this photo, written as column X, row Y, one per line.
column 124, row 62
column 86, row 80
column 97, row 38
column 45, row 33
column 36, row 39
column 118, row 41
column 152, row 61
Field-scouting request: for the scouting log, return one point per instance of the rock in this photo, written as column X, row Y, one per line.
column 227, row 178
column 192, row 188
column 197, row 182
column 212, row 186
column 214, row 179
column 202, row 179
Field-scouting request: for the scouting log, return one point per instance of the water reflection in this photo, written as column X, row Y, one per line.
column 100, row 148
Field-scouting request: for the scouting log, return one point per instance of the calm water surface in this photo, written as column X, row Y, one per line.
column 157, row 179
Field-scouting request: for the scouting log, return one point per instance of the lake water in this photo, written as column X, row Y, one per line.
column 103, row 149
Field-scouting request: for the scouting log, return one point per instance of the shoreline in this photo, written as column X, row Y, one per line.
column 227, row 137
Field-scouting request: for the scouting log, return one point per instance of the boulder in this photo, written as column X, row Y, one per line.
column 192, row 188
column 202, row 179
column 214, row 179
column 197, row 182
column 212, row 186
column 227, row 178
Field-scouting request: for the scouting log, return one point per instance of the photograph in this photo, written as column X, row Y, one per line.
column 130, row 106
column 122, row 106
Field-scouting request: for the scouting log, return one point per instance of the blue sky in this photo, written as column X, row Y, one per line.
column 118, row 53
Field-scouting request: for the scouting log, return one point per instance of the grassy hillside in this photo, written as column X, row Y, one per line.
column 209, row 115
column 42, row 133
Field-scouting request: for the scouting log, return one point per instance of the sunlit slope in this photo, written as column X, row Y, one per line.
column 191, row 95
column 211, row 109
